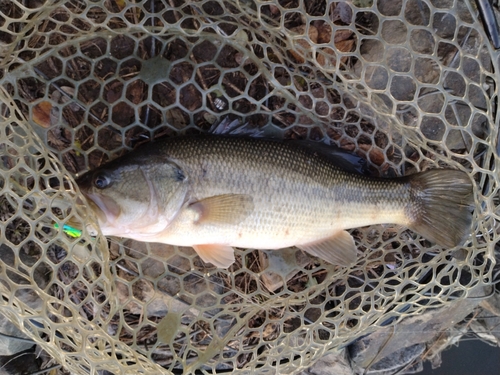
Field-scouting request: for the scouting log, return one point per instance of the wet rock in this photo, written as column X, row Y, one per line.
column 433, row 128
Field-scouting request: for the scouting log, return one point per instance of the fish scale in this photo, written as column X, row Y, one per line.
column 216, row 192
column 289, row 189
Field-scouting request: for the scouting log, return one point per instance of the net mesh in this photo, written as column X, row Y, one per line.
column 409, row 85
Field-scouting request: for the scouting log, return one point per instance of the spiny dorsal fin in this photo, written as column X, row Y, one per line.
column 221, row 256
column 338, row 249
column 223, row 209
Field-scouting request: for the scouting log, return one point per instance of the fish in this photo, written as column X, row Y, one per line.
column 215, row 192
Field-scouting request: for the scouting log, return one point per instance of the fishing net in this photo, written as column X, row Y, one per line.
column 408, row 85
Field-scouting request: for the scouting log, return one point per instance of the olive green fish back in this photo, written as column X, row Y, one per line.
column 408, row 85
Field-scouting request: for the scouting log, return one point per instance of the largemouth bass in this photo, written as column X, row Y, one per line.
column 216, row 192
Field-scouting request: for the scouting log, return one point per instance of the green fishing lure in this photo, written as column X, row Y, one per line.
column 69, row 230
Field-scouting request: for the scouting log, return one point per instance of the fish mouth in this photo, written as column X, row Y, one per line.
column 105, row 208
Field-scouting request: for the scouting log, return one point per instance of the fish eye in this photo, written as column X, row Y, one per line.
column 101, row 181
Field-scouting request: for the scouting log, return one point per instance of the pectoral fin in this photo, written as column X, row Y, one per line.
column 221, row 256
column 338, row 249
column 223, row 209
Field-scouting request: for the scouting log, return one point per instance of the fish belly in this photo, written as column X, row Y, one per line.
column 280, row 224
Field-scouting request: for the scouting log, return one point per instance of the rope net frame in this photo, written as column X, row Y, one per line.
column 409, row 85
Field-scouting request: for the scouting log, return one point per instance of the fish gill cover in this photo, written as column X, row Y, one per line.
column 407, row 85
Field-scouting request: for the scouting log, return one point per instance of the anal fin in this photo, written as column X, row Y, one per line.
column 221, row 256
column 338, row 249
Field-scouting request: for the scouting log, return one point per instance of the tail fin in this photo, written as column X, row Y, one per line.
column 442, row 209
